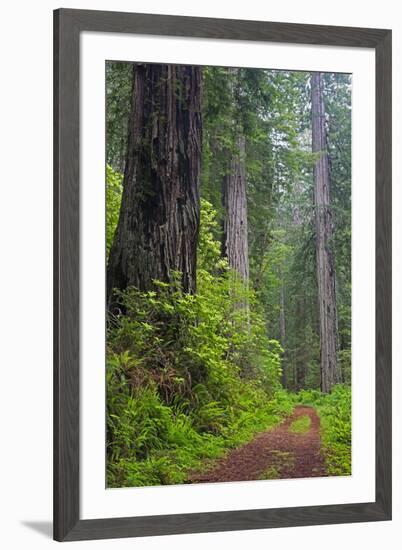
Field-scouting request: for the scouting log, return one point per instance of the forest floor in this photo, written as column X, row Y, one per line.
column 291, row 450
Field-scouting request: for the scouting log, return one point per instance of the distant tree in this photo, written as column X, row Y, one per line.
column 119, row 78
column 325, row 265
column 235, row 232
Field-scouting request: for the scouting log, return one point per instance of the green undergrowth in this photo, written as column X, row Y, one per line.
column 301, row 425
column 114, row 190
column 334, row 410
column 165, row 446
column 188, row 376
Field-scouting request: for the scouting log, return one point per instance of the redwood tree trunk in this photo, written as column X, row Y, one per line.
column 282, row 331
column 330, row 373
column 235, row 243
column 159, row 219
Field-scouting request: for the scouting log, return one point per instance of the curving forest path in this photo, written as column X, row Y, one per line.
column 291, row 450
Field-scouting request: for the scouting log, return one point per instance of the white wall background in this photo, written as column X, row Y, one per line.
column 26, row 271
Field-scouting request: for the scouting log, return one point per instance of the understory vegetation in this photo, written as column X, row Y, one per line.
column 188, row 376
column 177, row 395
column 335, row 415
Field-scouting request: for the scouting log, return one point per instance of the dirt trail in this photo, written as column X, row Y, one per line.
column 278, row 453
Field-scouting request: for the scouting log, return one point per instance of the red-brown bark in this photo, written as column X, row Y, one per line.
column 159, row 219
column 325, row 267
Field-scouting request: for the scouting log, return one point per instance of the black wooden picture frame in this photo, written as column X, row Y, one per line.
column 68, row 24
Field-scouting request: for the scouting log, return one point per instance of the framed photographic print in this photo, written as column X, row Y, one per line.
column 222, row 287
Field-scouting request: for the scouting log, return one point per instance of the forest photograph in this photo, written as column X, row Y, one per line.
column 228, row 274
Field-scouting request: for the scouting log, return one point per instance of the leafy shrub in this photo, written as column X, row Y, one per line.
column 336, row 421
column 310, row 397
column 114, row 189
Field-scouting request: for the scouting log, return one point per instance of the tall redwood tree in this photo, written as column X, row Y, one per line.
column 158, row 224
column 235, row 243
column 234, row 199
column 325, row 267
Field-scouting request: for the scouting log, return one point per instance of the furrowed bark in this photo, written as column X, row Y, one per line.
column 159, row 218
column 325, row 267
column 235, row 243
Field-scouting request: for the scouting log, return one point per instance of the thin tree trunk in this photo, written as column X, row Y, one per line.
column 282, row 331
column 159, row 218
column 325, row 267
column 301, row 355
column 235, row 243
